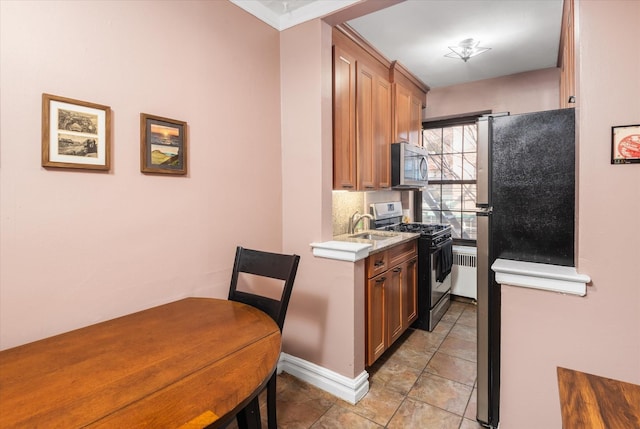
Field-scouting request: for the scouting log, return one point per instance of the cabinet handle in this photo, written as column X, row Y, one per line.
column 378, row 263
column 347, row 186
column 397, row 270
column 381, row 280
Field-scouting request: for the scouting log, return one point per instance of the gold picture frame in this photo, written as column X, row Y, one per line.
column 163, row 145
column 75, row 134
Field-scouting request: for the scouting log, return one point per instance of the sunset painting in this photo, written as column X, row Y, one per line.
column 163, row 145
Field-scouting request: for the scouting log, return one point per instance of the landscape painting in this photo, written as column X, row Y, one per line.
column 74, row 145
column 163, row 145
column 75, row 134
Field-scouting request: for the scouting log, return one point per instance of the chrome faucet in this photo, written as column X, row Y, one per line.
column 356, row 218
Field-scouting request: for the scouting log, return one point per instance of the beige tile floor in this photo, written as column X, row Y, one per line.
column 425, row 380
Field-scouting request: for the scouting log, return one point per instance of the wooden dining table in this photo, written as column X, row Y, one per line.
column 187, row 364
column 589, row 401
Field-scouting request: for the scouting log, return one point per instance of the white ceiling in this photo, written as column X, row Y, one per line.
column 523, row 34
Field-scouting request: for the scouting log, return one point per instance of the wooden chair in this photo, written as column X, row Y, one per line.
column 273, row 266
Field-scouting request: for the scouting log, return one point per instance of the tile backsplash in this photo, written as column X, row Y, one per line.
column 346, row 203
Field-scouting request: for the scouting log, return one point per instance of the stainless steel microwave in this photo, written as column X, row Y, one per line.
column 409, row 168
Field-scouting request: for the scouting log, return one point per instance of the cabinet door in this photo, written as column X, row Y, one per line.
column 375, row 318
column 393, row 304
column 402, row 113
column 415, row 121
column 382, row 132
column 409, row 292
column 365, row 115
column 344, row 120
column 408, row 116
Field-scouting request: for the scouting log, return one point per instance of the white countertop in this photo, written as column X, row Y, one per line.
column 553, row 278
column 345, row 247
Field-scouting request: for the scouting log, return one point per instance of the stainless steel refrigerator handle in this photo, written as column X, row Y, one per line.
column 482, row 163
column 483, row 215
column 483, row 363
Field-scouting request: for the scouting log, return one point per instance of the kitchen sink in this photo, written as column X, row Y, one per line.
column 371, row 236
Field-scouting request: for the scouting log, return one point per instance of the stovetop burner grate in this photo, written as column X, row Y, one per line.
column 430, row 230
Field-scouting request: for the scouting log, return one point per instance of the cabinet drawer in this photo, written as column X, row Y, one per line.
column 377, row 264
column 401, row 252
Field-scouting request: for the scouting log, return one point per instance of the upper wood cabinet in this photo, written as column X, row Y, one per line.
column 382, row 132
column 375, row 103
column 362, row 97
column 344, row 122
column 373, row 129
column 402, row 110
column 409, row 98
column 365, row 116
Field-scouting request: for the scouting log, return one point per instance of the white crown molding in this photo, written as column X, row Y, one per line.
column 260, row 11
column 286, row 20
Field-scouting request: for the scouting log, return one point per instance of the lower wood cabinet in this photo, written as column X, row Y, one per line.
column 376, row 324
column 410, row 293
column 391, row 297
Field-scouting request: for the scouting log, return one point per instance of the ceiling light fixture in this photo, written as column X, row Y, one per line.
column 466, row 49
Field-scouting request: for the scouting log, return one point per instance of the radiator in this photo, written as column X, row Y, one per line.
column 463, row 272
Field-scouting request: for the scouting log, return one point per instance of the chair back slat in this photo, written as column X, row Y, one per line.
column 265, row 264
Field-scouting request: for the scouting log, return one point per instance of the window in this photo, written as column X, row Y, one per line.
column 451, row 194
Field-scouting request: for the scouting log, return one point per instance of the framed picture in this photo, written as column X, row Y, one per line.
column 625, row 144
column 75, row 134
column 163, row 145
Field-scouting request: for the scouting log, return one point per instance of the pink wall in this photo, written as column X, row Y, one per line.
column 599, row 333
column 80, row 247
column 129, row 248
column 517, row 93
column 328, row 295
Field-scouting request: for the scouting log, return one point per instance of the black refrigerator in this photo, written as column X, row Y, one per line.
column 526, row 205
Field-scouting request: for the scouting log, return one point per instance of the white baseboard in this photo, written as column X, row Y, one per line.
column 345, row 388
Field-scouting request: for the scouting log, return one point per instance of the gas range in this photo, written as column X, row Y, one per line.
column 388, row 217
column 431, row 230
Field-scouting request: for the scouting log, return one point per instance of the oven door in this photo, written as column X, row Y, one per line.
column 440, row 255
